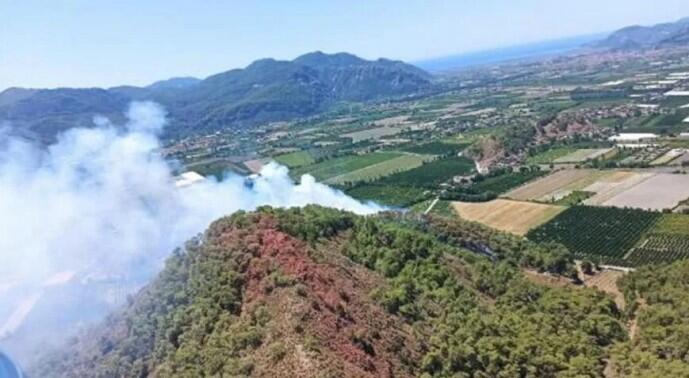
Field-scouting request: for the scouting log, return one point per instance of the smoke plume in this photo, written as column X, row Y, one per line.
column 101, row 201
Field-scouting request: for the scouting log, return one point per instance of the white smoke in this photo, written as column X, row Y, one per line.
column 102, row 199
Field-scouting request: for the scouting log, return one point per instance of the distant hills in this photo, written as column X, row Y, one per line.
column 643, row 37
column 267, row 90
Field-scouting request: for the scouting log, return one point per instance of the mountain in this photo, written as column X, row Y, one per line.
column 644, row 37
column 267, row 90
column 41, row 114
column 270, row 90
column 174, row 83
column 315, row 292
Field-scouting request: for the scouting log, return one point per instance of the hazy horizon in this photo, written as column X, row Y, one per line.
column 79, row 44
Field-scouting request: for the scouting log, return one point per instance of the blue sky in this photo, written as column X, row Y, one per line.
column 51, row 43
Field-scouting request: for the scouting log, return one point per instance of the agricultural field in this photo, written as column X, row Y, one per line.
column 659, row 249
column 295, row 159
column 217, row 168
column 382, row 169
column 613, row 184
column 677, row 224
column 431, row 174
column 666, row 241
column 343, row 165
column 409, row 187
column 584, row 154
column 506, row 215
column 555, row 186
column 502, row 183
column 658, row 192
column 549, row 156
column 434, row 148
column 600, row 233
column 574, row 198
column 379, row 132
column 618, row 188
column 669, row 156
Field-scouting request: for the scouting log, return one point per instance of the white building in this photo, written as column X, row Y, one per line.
column 633, row 137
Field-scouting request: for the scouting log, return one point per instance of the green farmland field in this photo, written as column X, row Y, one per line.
column 430, row 175
column 382, row 169
column 602, row 234
column 342, row 165
column 549, row 156
column 295, row 159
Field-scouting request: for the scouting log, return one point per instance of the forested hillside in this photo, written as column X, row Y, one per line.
column 319, row 292
column 660, row 343
column 265, row 91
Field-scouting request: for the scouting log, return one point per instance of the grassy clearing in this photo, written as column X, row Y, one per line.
column 342, row 165
column 295, row 159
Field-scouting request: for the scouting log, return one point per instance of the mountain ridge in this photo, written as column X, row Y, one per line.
column 266, row 90
column 668, row 34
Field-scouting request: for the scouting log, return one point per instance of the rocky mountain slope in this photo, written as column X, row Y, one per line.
column 315, row 292
column 266, row 90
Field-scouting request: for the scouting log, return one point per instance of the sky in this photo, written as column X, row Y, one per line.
column 86, row 43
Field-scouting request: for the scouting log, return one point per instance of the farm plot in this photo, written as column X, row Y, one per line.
column 511, row 216
column 382, row 169
column 295, row 159
column 379, row 132
column 550, row 155
column 667, row 241
column 432, row 174
column 582, row 155
column 669, row 156
column 502, row 183
column 343, row 165
column 661, row 191
column 600, row 233
column 614, row 184
column 555, row 186
column 659, row 249
column 434, row 148
column 673, row 224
